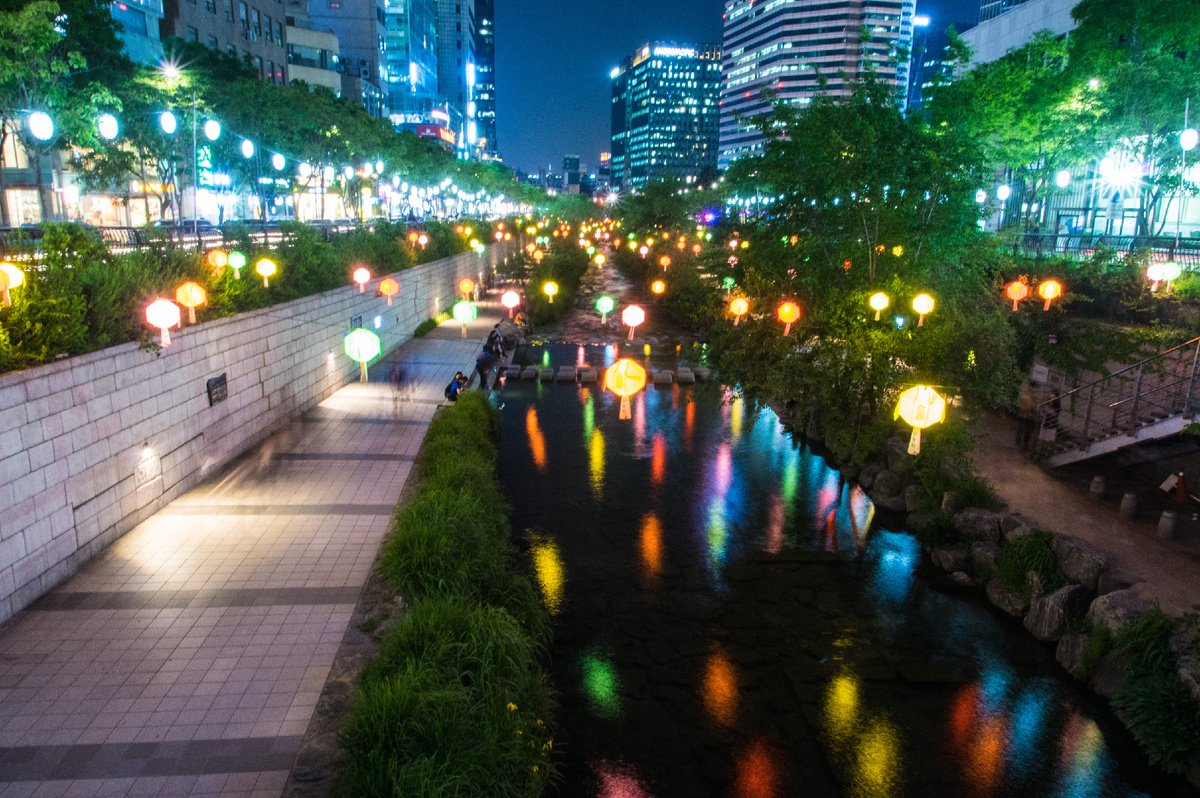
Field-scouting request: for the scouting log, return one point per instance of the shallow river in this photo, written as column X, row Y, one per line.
column 730, row 618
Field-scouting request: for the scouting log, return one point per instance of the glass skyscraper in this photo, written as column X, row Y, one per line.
column 411, row 55
column 785, row 47
column 665, row 114
column 485, row 78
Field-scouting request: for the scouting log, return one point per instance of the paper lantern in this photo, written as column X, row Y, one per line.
column 625, row 378
column 1170, row 272
column 664, row 261
column 389, row 288
column 644, row 251
column 600, row 259
column 466, row 285
column 1049, row 290
column 922, row 304
column 739, row 307
column 633, row 316
column 237, row 262
column 423, row 240
column 510, row 300
column 921, row 407
column 605, row 305
column 464, row 313
column 1154, row 273
column 879, row 303
column 190, row 295
column 218, row 259
column 658, row 287
column 362, row 276
column 10, row 277
column 265, row 268
column 551, row 288
column 789, row 314
column 538, row 255
column 163, row 314
column 412, row 238
column 1016, row 291
column 696, row 249
column 362, row 346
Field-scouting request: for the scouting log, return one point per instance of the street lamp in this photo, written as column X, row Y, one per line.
column 247, row 148
column 41, row 126
column 1187, row 142
column 278, row 161
column 212, row 130
column 107, row 127
column 1063, row 178
column 168, row 123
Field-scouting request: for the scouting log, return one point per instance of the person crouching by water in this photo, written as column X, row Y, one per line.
column 455, row 386
column 483, row 365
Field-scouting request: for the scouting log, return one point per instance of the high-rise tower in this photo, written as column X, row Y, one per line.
column 785, row 49
column 485, row 79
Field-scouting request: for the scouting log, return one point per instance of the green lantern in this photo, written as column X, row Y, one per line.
column 363, row 346
column 237, row 262
column 605, row 305
column 464, row 313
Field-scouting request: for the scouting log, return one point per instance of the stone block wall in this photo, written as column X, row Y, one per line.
column 91, row 446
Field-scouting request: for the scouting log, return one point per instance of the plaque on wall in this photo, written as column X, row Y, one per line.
column 218, row 390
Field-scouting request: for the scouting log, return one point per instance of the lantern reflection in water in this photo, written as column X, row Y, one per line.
column 537, row 441
column 651, row 546
column 601, row 685
column 756, row 771
column 866, row 747
column 658, row 461
column 720, row 687
column 618, row 780
column 549, row 572
column 596, row 464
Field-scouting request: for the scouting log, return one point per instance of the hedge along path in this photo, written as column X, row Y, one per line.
column 455, row 702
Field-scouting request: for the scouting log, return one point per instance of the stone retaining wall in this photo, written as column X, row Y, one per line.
column 91, row 446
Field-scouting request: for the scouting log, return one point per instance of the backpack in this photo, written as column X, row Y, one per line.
column 452, row 390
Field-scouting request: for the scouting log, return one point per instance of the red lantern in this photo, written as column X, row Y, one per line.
column 510, row 300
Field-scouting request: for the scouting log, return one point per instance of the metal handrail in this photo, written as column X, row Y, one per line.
column 1139, row 364
column 1147, row 393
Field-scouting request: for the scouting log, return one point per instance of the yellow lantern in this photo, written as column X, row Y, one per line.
column 789, row 314
column 265, row 268
column 551, row 288
column 879, row 303
column 739, row 307
column 389, row 288
column 922, row 304
column 921, row 407
column 1049, row 290
column 10, row 277
column 218, row 259
column 190, row 295
column 664, row 261
column 625, row 378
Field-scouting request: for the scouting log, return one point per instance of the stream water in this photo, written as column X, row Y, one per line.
column 731, row 619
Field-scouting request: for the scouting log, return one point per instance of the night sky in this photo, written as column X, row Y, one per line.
column 553, row 59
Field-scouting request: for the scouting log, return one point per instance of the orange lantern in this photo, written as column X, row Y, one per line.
column 1016, row 291
column 466, row 285
column 362, row 276
column 789, row 314
column 1049, row 290
column 625, row 378
column 739, row 307
column 389, row 288
column 510, row 300
column 696, row 249
column 190, row 295
column 218, row 259
column 664, row 261
column 658, row 287
column 163, row 314
column 538, row 255
column 265, row 269
column 681, row 245
column 412, row 238
column 633, row 316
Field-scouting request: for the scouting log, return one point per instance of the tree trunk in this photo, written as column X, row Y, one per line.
column 43, row 203
column 4, row 218
column 145, row 191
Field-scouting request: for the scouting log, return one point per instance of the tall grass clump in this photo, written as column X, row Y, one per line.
column 455, row 702
column 1030, row 553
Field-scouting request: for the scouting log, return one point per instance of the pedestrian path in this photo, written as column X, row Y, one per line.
column 187, row 659
column 1168, row 570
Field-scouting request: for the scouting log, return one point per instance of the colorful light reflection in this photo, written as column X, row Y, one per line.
column 596, row 464
column 601, row 685
column 720, row 687
column 651, row 546
column 549, row 571
column 537, row 441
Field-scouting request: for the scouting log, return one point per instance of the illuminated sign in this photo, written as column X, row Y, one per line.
column 675, row 52
column 437, row 132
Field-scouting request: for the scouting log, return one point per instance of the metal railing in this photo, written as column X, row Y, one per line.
column 1185, row 251
column 1123, row 402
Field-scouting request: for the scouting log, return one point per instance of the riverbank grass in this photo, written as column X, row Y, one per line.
column 455, row 702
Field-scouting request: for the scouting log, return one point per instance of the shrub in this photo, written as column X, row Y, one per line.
column 1032, row 552
column 1159, row 709
column 425, row 327
column 940, row 531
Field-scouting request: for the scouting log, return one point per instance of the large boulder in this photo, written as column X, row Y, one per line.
column 1117, row 610
column 1014, row 526
column 1114, row 579
column 867, row 478
column 1110, row 674
column 950, row 559
column 915, row 497
column 887, row 483
column 898, row 458
column 950, row 502
column 984, row 556
column 918, row 522
column 978, row 524
column 894, row 503
column 1050, row 616
column 1070, row 654
column 1079, row 560
column 1010, row 601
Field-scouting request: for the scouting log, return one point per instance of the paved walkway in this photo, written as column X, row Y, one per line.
column 1169, row 571
column 187, row 659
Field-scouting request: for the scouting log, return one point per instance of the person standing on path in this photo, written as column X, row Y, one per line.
column 1026, row 415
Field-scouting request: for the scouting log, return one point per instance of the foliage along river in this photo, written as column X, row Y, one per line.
column 729, row 620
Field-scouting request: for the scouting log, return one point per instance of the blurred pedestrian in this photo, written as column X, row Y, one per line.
column 1027, row 407
column 483, row 365
column 495, row 343
column 1049, row 433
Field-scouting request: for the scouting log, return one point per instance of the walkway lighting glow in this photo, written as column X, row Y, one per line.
column 605, row 305
column 163, row 314
column 510, row 300
column 658, row 287
column 466, row 286
column 237, row 262
column 879, row 303
column 362, row 276
column 190, row 295
column 789, row 314
column 464, row 313
column 551, row 288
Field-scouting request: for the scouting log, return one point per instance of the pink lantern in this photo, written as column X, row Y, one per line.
column 510, row 300
column 163, row 314
column 362, row 276
column 633, row 316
